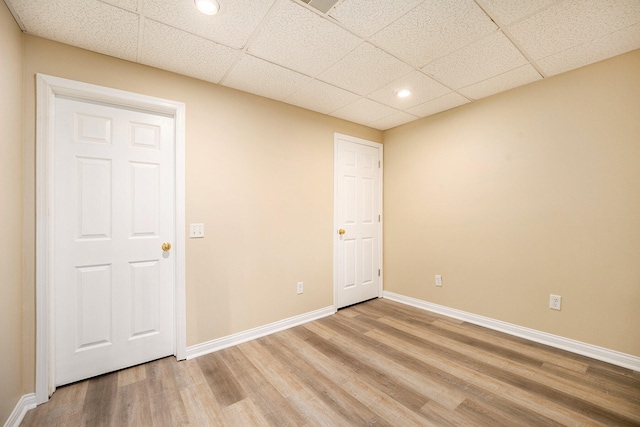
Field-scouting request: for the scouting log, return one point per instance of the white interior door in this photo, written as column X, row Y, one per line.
column 358, row 197
column 114, row 207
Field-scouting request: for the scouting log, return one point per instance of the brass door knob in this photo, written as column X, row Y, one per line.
column 341, row 231
column 166, row 246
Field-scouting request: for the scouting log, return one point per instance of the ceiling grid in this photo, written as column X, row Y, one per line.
column 349, row 58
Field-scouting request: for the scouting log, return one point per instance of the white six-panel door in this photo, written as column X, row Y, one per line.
column 114, row 208
column 358, row 216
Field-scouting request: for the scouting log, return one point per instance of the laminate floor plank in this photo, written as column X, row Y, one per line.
column 323, row 391
column 367, row 386
column 244, row 413
column 165, row 401
column 441, row 386
column 610, row 388
column 475, row 376
column 327, row 366
column 276, row 409
column 133, row 406
column 439, row 354
column 478, row 413
column 524, row 376
column 291, row 385
column 201, row 406
column 329, row 392
column 132, row 375
column 443, row 417
column 222, row 382
column 379, row 363
column 188, row 373
column 377, row 371
column 384, row 405
column 416, row 376
column 514, row 349
column 100, row 401
column 400, row 311
column 66, row 410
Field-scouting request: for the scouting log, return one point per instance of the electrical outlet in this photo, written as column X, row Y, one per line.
column 438, row 280
column 196, row 230
column 300, row 287
column 555, row 301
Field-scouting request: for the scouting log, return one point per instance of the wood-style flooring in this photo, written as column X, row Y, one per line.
column 379, row 363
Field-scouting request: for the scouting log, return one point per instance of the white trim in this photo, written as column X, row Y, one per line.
column 337, row 136
column 180, row 194
column 584, row 349
column 44, row 229
column 261, row 331
column 47, row 88
column 26, row 402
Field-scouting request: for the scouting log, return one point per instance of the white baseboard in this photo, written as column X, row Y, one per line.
column 26, row 402
column 231, row 340
column 589, row 350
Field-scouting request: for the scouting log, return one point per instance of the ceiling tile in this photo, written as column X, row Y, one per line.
column 364, row 111
column 572, row 23
column 174, row 50
column 434, row 29
column 91, row 25
column 423, row 88
column 297, row 38
column 446, row 102
column 131, row 5
column 479, row 61
column 513, row 78
column 596, row 50
column 263, row 78
column 392, row 121
column 321, row 97
column 509, row 11
column 231, row 26
column 365, row 17
column 364, row 70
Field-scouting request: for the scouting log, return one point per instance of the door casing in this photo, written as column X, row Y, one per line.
column 48, row 88
column 336, row 225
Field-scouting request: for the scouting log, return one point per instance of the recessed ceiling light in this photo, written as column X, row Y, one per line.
column 403, row 93
column 208, row 7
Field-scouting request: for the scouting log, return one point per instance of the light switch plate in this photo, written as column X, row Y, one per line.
column 196, row 230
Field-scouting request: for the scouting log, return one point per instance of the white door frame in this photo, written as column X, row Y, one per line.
column 48, row 88
column 336, row 225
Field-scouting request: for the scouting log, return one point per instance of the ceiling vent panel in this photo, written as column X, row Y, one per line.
column 321, row 5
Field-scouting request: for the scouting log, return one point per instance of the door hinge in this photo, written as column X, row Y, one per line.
column 378, row 272
column 378, row 218
column 379, row 164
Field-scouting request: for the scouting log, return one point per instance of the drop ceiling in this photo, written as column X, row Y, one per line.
column 348, row 58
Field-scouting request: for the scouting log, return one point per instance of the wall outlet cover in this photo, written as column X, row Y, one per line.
column 555, row 302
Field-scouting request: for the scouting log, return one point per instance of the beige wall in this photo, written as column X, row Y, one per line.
column 259, row 175
column 527, row 193
column 10, row 212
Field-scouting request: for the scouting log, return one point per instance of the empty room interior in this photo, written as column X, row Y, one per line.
column 503, row 197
